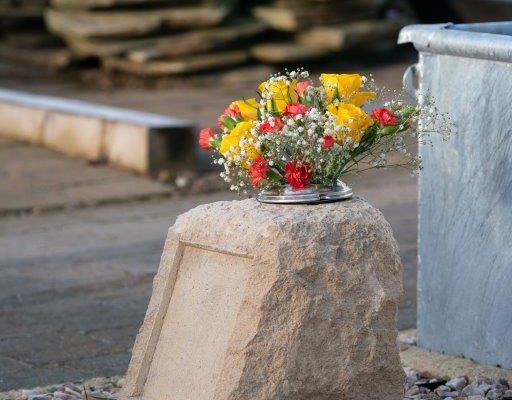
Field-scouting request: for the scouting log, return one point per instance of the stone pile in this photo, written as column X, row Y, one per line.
column 312, row 29
column 153, row 38
column 24, row 38
column 423, row 386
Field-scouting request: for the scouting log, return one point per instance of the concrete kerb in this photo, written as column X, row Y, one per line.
column 134, row 140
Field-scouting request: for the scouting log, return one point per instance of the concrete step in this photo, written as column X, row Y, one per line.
column 142, row 142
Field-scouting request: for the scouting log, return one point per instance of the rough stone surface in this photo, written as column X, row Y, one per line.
column 257, row 301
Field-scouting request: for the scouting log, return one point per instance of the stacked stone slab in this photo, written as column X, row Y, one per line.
column 322, row 28
column 24, row 37
column 153, row 38
column 255, row 301
column 157, row 38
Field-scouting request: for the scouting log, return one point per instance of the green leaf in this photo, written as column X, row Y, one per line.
column 274, row 175
column 336, row 94
column 215, row 142
column 389, row 130
column 408, row 112
column 228, row 122
column 274, row 107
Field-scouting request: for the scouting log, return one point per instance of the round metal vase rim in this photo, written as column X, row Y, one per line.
column 312, row 194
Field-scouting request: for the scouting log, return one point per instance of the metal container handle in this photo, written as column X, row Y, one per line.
column 410, row 74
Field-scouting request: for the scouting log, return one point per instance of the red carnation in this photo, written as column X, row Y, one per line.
column 232, row 112
column 328, row 142
column 258, row 171
column 293, row 109
column 204, row 138
column 297, row 175
column 385, row 116
column 302, row 86
column 266, row 127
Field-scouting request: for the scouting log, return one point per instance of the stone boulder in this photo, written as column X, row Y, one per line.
column 257, row 301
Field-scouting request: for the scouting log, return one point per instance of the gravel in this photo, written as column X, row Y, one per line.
column 418, row 386
column 93, row 389
column 424, row 386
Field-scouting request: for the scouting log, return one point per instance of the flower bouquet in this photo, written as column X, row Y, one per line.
column 295, row 142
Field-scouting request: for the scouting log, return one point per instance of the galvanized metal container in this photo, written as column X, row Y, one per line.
column 465, row 191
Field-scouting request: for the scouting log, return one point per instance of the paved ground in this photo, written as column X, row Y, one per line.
column 38, row 180
column 76, row 272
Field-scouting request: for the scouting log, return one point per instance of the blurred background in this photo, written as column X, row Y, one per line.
column 80, row 240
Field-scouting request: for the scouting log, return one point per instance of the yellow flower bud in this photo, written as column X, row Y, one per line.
column 248, row 108
column 281, row 93
column 347, row 87
column 351, row 117
column 230, row 145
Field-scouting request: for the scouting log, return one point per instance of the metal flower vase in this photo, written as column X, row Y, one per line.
column 311, row 194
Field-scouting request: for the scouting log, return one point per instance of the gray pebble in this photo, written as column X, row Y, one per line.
column 414, row 390
column 457, row 383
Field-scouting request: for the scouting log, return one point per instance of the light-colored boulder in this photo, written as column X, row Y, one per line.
column 257, row 301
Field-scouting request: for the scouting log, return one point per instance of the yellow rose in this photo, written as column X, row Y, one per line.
column 282, row 94
column 230, row 146
column 248, row 108
column 351, row 117
column 347, row 86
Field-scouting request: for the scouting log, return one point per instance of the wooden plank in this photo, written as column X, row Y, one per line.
column 130, row 23
column 87, row 4
column 91, row 47
column 335, row 5
column 88, row 24
column 23, row 13
column 55, row 59
column 98, row 4
column 144, row 49
column 31, row 39
column 286, row 52
column 177, row 66
column 351, row 35
column 296, row 18
column 197, row 42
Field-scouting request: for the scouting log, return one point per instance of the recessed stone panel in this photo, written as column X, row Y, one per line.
column 197, row 326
